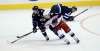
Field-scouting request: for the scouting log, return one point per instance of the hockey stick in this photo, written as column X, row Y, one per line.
column 20, row 37
column 80, row 12
column 83, row 11
column 24, row 35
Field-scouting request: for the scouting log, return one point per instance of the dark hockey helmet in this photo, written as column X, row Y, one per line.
column 35, row 8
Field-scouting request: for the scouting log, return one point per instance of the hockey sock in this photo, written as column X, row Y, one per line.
column 74, row 37
column 60, row 35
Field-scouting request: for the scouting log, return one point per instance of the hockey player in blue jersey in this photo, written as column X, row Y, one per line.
column 64, row 12
column 38, row 20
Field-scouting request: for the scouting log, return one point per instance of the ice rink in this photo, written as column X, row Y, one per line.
column 18, row 22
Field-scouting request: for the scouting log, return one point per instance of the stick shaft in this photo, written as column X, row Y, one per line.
column 81, row 12
column 21, row 37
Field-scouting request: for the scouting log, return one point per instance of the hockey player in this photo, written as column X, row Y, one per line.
column 63, row 12
column 38, row 20
column 55, row 13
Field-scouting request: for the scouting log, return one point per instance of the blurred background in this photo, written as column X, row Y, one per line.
column 28, row 4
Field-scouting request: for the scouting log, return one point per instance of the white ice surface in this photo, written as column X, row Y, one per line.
column 18, row 22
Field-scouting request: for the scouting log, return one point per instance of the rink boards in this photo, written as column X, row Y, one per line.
column 46, row 4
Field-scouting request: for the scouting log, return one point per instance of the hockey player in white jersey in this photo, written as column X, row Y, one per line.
column 61, row 12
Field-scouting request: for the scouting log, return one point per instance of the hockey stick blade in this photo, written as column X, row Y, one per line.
column 16, row 40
